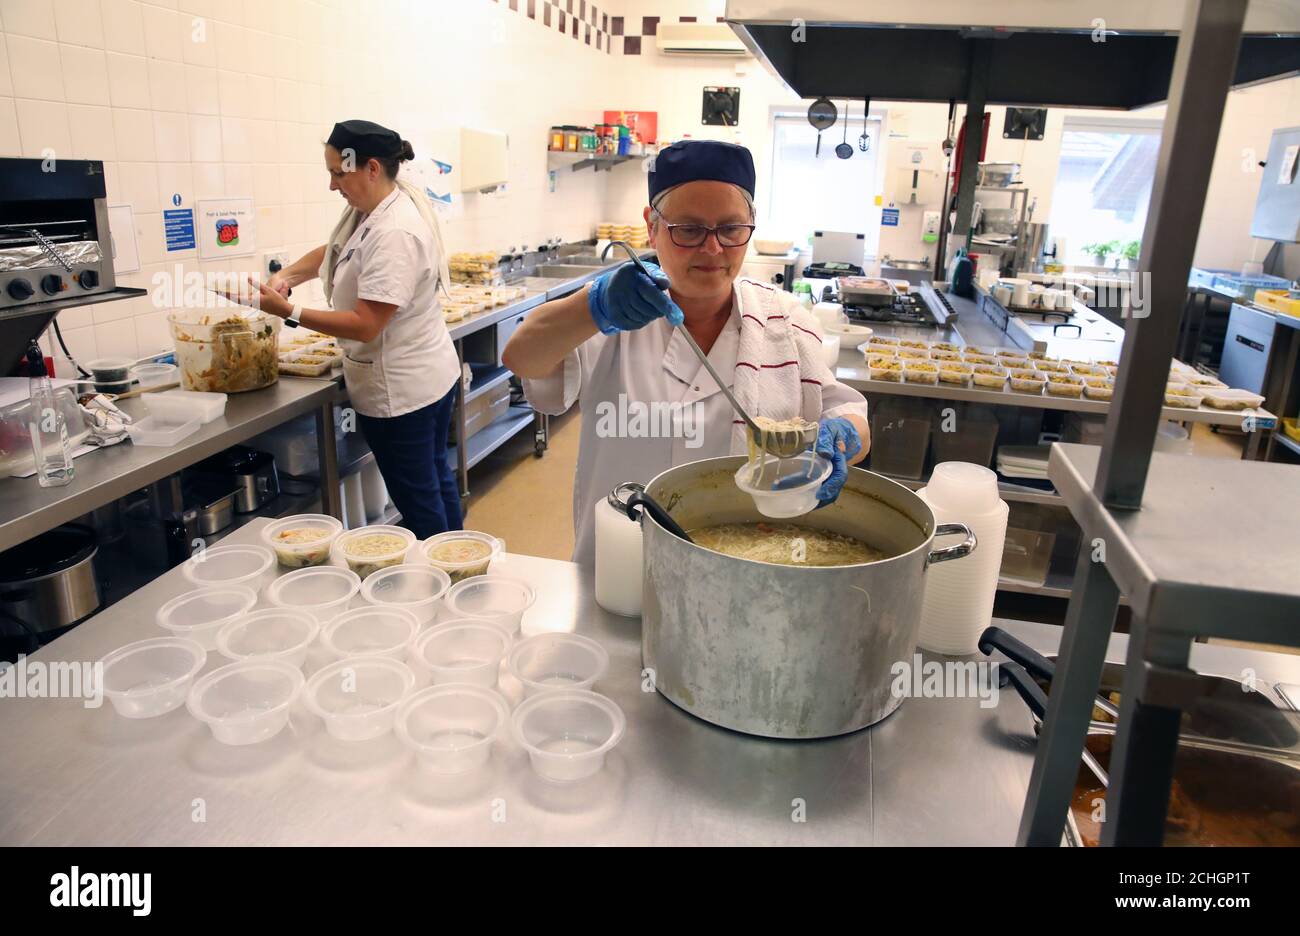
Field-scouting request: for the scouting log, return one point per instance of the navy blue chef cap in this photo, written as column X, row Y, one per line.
column 695, row 160
column 366, row 139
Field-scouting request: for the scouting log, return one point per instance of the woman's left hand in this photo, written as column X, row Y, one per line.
column 260, row 296
column 838, row 440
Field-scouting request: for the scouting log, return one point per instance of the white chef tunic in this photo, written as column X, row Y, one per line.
column 392, row 257
column 647, row 405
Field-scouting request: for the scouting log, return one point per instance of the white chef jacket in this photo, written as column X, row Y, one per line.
column 618, row 379
column 392, row 257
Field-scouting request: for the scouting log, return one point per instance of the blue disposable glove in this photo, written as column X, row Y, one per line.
column 830, row 434
column 624, row 299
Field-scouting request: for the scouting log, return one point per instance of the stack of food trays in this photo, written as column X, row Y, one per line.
column 480, row 268
column 310, row 355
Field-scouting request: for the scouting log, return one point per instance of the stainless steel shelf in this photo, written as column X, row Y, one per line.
column 1286, row 441
column 494, row 435
column 1056, row 586
column 1212, row 551
column 479, row 387
column 283, row 506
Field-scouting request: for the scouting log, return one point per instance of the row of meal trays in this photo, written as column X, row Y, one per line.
column 469, row 300
column 1033, row 372
column 310, row 354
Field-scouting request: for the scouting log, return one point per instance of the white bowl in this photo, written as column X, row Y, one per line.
column 773, row 248
column 271, row 634
column 199, row 614
column 451, row 728
column 567, row 732
column 466, row 651
column 412, row 587
column 557, row 661
column 324, row 592
column 372, row 631
column 246, row 702
column 249, row 565
column 358, row 697
column 784, row 487
column 496, row 598
column 151, row 677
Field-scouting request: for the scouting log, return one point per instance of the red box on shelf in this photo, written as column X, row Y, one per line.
column 644, row 124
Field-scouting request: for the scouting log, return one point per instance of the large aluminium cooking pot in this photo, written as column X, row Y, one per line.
column 785, row 651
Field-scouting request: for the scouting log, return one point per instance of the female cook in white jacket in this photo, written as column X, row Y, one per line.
column 647, row 403
column 381, row 271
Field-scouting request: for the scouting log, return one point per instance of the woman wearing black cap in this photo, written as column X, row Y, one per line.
column 381, row 271
column 647, row 403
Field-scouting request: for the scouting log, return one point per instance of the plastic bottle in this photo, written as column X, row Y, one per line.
column 47, row 426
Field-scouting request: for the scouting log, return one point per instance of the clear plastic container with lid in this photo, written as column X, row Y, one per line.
column 324, row 592
column 151, row 677
column 226, row 350
column 568, row 732
column 467, row 650
column 199, row 614
column 302, row 540
column 369, row 549
column 462, row 554
column 246, row 702
column 270, row 634
column 784, row 487
column 451, row 728
column 411, row 587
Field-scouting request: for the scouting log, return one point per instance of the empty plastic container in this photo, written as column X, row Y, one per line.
column 271, row 634
column 153, row 375
column 151, row 677
column 200, row 614
column 557, row 661
column 246, row 702
column 357, row 697
column 1026, row 556
column 451, row 728
column 496, row 598
column 371, row 631
column 323, row 591
column 161, row 430
column 303, row 539
column 465, row 651
column 567, row 732
column 415, row 588
column 249, row 565
column 206, row 406
column 784, row 487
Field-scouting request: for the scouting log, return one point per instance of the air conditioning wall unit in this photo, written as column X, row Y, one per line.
column 700, row 39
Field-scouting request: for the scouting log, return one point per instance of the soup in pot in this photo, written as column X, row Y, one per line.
column 785, row 544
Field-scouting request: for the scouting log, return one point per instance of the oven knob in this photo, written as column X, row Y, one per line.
column 89, row 279
column 20, row 289
column 52, row 284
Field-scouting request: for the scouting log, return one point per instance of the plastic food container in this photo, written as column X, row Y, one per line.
column 199, row 614
column 467, row 650
column 162, row 430
column 176, row 405
column 271, row 634
column 386, row 632
column 253, row 566
column 557, row 661
column 912, row 354
column 784, row 487
column 942, row 354
column 1064, row 385
column 1229, row 399
column 1188, row 399
column 323, row 592
column 151, row 677
column 113, row 373
column 567, row 732
column 1088, row 370
column 957, row 374
column 1015, row 363
column 496, row 598
column 415, row 588
column 943, row 346
column 302, row 540
column 921, row 372
column 1051, row 367
column 372, row 548
column 989, row 376
column 847, row 332
column 880, row 368
column 1027, row 381
column 885, row 340
column 225, row 350
column 246, row 702
column 462, row 554
column 357, row 697
column 874, row 347
column 1097, row 388
column 451, row 728
column 153, row 375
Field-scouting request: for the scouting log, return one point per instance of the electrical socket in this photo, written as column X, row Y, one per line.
column 267, row 257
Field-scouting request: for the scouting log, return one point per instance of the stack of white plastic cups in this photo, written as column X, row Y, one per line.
column 958, row 601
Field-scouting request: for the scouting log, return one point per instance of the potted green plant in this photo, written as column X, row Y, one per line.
column 1131, row 251
column 1099, row 251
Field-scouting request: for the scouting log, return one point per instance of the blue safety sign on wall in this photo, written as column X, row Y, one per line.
column 889, row 217
column 178, row 228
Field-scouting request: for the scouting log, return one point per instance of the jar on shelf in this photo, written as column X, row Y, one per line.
column 555, row 139
column 571, row 139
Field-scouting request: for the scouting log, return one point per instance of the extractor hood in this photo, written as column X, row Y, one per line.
column 1105, row 53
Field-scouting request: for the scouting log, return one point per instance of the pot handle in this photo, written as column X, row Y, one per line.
column 1024, row 684
column 964, row 548
column 649, row 505
column 1016, row 650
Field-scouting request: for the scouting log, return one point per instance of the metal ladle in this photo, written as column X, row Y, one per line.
column 783, row 443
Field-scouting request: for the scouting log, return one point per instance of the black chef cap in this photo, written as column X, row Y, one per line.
column 367, row 140
column 695, row 160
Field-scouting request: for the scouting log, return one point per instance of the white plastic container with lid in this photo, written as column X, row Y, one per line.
column 244, row 564
column 270, row 634
column 784, row 487
column 174, row 404
column 303, row 539
column 357, row 697
column 412, row 587
column 163, row 431
column 324, row 592
column 199, row 614
column 496, row 598
column 467, row 651
column 555, row 660
column 462, row 554
column 451, row 728
column 618, row 559
column 371, row 631
column 246, row 702
column 567, row 732
column 371, row 548
column 151, row 677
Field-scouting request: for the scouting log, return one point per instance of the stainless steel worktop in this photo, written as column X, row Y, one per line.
column 27, row 509
column 936, row 771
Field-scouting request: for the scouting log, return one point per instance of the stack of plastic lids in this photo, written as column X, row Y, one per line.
column 958, row 601
column 1023, row 461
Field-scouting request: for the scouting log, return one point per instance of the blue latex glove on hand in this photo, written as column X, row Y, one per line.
column 624, row 299
column 830, row 434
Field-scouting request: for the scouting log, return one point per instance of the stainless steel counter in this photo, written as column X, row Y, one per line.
column 935, row 772
column 27, row 509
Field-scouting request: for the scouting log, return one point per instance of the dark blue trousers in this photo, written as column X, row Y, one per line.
column 411, row 451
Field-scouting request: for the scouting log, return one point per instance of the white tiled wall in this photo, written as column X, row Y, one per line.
column 208, row 98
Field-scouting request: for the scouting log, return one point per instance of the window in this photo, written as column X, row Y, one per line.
column 809, row 192
column 1103, row 184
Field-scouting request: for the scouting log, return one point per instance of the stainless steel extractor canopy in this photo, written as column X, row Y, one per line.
column 1105, row 53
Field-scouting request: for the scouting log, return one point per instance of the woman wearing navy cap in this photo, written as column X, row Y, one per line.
column 381, row 271
column 613, row 346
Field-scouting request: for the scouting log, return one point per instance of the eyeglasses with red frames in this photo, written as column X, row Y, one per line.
column 694, row 235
